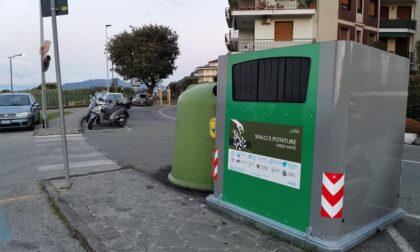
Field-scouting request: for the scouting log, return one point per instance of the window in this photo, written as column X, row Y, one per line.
column 358, row 36
column 283, row 31
column 371, row 38
column 345, row 4
column 373, row 6
column 360, row 6
column 384, row 12
column 282, row 79
column 344, row 33
column 404, row 12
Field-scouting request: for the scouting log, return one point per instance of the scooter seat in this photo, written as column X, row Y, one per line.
column 110, row 110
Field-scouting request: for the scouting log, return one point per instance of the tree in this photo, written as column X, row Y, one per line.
column 146, row 54
column 177, row 87
column 48, row 86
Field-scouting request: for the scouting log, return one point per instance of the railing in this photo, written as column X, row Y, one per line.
column 398, row 23
column 392, row 2
column 261, row 44
column 271, row 4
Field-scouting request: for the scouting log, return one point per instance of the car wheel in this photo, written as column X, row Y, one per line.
column 38, row 121
column 32, row 124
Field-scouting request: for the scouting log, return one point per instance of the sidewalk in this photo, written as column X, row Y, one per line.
column 127, row 211
column 72, row 121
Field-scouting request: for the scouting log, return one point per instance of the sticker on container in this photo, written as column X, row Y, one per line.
column 332, row 195
column 270, row 152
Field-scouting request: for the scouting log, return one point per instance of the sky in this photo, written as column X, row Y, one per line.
column 200, row 24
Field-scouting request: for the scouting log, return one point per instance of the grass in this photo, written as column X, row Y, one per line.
column 56, row 114
column 74, row 233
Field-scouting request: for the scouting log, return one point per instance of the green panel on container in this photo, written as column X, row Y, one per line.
column 277, row 134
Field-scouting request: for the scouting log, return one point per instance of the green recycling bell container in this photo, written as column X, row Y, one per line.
column 194, row 141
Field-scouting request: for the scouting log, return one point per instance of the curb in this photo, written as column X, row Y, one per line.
column 70, row 219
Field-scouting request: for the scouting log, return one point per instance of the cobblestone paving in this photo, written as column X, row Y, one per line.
column 129, row 212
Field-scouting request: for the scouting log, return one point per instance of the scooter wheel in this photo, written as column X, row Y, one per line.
column 122, row 122
column 90, row 123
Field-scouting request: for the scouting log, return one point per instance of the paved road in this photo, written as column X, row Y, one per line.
column 147, row 144
column 26, row 221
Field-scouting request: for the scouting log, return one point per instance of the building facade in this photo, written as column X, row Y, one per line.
column 206, row 73
column 398, row 26
column 264, row 24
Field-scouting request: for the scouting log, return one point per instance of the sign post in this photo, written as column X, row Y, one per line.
column 43, row 50
column 59, row 88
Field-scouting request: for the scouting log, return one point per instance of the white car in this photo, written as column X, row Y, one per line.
column 113, row 98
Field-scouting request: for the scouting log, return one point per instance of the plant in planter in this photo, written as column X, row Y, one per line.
column 303, row 4
column 261, row 4
column 234, row 4
column 412, row 131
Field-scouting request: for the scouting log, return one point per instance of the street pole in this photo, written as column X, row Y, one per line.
column 112, row 78
column 107, row 59
column 11, row 75
column 60, row 95
column 11, row 69
column 43, row 88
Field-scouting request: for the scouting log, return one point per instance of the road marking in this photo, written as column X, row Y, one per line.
column 399, row 240
column 16, row 198
column 128, row 128
column 59, row 136
column 51, row 138
column 4, row 228
column 93, row 154
column 414, row 216
column 72, row 165
column 410, row 161
column 79, row 156
column 170, row 117
column 57, row 139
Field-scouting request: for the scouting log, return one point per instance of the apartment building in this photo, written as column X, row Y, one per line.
column 264, row 24
column 398, row 26
column 206, row 73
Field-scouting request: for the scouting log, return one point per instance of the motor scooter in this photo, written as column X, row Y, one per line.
column 112, row 114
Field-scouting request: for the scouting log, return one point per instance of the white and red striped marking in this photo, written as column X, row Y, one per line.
column 215, row 163
column 332, row 195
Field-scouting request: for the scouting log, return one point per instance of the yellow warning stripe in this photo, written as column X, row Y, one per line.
column 17, row 198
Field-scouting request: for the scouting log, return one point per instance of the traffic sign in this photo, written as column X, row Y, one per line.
column 60, row 5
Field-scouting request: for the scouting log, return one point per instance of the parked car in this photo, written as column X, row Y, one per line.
column 142, row 99
column 19, row 110
column 113, row 98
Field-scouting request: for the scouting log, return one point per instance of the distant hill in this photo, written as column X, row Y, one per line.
column 93, row 83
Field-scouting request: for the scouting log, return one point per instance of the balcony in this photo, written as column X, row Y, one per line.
column 271, row 4
column 247, row 45
column 397, row 2
column 228, row 16
column 398, row 24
